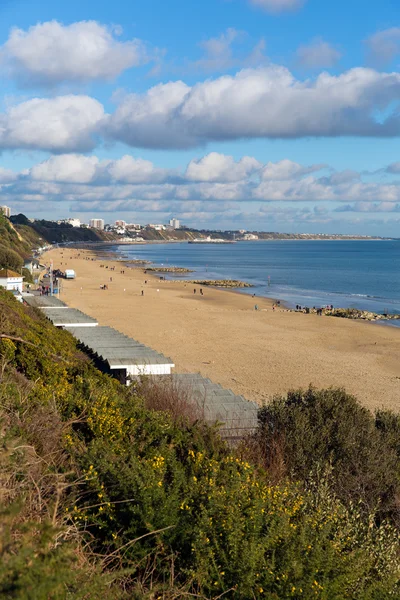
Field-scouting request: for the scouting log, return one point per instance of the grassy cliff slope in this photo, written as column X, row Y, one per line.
column 103, row 497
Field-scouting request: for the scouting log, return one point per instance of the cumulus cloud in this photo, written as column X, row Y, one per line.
column 7, row 176
column 135, row 170
column 50, row 53
column 71, row 168
column 221, row 168
column 213, row 179
column 80, row 169
column 61, row 124
column 317, row 54
column 266, row 102
column 287, row 169
column 383, row 46
column 255, row 103
column 342, row 177
column 278, row 6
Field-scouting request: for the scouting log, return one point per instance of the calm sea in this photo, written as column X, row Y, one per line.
column 359, row 274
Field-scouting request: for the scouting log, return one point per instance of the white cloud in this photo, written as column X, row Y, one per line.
column 318, row 54
column 267, row 102
column 61, row 124
column 216, row 167
column 384, row 46
column 7, row 176
column 135, row 170
column 341, row 177
column 129, row 181
column 70, row 168
column 278, row 6
column 255, row 103
column 286, row 169
column 80, row 169
column 50, row 53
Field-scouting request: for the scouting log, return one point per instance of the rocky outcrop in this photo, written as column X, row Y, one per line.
column 354, row 313
column 168, row 270
column 225, row 283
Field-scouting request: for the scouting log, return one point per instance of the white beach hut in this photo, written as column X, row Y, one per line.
column 11, row 280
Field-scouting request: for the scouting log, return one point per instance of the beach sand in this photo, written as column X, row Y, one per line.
column 255, row 353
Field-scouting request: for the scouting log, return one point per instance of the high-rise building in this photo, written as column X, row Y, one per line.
column 120, row 224
column 96, row 223
column 175, row 223
column 6, row 210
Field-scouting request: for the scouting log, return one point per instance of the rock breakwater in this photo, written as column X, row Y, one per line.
column 225, row 283
column 354, row 313
column 168, row 270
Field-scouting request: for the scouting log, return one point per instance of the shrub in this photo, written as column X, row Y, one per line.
column 10, row 259
column 329, row 427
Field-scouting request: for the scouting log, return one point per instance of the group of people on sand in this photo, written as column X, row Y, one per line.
column 318, row 311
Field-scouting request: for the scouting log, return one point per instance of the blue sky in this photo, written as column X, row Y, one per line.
column 257, row 114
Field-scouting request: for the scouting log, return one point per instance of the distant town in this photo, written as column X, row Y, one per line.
column 72, row 229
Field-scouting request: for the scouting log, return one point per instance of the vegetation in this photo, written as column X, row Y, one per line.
column 308, row 431
column 13, row 248
column 52, row 232
column 110, row 492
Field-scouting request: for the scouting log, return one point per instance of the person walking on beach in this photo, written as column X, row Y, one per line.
column 194, row 291
column 201, row 291
column 142, row 292
column 256, row 307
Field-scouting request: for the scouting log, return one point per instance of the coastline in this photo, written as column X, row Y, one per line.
column 293, row 280
column 255, row 353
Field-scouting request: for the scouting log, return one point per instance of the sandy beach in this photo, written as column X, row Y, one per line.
column 254, row 353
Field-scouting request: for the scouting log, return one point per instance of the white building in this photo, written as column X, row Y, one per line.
column 157, row 227
column 11, row 280
column 6, row 210
column 74, row 222
column 175, row 223
column 133, row 227
column 250, row 236
column 96, row 223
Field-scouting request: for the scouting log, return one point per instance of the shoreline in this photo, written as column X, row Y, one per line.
column 175, row 273
column 257, row 354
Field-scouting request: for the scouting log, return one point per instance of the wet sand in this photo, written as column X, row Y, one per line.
column 255, row 353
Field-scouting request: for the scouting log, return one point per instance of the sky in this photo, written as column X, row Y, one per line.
column 273, row 115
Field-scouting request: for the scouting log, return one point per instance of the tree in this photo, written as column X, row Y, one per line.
column 9, row 259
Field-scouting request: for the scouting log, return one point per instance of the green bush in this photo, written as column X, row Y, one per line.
column 330, row 428
column 10, row 259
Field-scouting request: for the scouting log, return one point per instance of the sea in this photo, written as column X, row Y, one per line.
column 362, row 274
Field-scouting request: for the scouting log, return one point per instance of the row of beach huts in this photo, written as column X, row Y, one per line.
column 126, row 359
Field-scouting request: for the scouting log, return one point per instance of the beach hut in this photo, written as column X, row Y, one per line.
column 121, row 356
column 10, row 280
column 70, row 274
